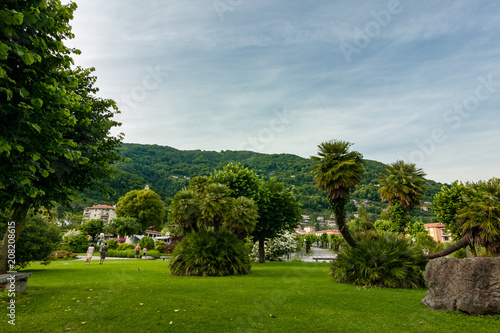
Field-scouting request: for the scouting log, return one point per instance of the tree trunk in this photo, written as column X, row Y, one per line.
column 463, row 242
column 262, row 252
column 18, row 216
column 339, row 216
column 216, row 228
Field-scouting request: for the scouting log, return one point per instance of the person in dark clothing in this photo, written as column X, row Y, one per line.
column 103, row 251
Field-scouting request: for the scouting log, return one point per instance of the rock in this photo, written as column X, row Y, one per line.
column 470, row 285
column 14, row 281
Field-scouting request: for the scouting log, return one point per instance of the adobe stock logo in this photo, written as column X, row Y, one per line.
column 140, row 92
column 223, row 6
column 372, row 29
column 454, row 118
column 265, row 135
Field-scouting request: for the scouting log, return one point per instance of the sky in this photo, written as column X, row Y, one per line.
column 411, row 80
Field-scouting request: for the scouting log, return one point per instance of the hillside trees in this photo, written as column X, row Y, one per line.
column 54, row 134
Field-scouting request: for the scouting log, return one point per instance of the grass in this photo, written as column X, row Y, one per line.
column 273, row 297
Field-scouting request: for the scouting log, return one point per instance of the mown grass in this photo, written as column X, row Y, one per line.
column 273, row 297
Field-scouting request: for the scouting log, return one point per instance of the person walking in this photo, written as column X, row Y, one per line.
column 144, row 250
column 137, row 252
column 90, row 253
column 103, row 251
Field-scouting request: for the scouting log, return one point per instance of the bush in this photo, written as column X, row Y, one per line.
column 78, row 244
column 112, row 244
column 160, row 246
column 147, row 242
column 153, row 253
column 120, row 253
column 202, row 254
column 37, row 241
column 62, row 255
column 125, row 246
column 382, row 260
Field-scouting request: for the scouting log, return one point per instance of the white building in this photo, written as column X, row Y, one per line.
column 103, row 212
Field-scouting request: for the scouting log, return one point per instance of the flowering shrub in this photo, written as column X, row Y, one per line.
column 277, row 247
column 71, row 234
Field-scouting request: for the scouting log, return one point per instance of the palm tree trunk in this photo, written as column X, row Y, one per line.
column 18, row 217
column 339, row 216
column 463, row 242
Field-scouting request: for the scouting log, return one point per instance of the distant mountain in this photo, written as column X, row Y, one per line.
column 168, row 170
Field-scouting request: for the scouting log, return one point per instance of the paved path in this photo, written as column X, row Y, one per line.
column 99, row 258
column 317, row 252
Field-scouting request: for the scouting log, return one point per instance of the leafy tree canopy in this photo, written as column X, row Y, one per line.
column 144, row 205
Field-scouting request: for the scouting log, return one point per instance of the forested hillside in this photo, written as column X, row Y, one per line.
column 167, row 170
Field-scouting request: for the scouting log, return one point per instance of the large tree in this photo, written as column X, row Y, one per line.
column 338, row 171
column 472, row 213
column 54, row 134
column 145, row 206
column 278, row 211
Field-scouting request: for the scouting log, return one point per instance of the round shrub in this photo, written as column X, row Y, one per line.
column 126, row 246
column 204, row 255
column 112, row 244
column 78, row 244
column 160, row 246
column 147, row 242
column 381, row 260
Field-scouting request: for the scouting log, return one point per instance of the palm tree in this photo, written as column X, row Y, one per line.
column 243, row 217
column 338, row 172
column 402, row 183
column 216, row 205
column 480, row 218
column 185, row 209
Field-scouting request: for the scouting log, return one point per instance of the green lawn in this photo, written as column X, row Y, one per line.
column 273, row 297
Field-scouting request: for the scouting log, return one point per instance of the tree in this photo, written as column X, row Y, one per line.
column 123, row 226
column 446, row 205
column 147, row 242
column 279, row 211
column 92, row 227
column 472, row 213
column 402, row 183
column 144, row 205
column 39, row 239
column 54, row 134
column 338, row 171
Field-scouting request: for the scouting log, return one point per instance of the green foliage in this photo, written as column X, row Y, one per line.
column 78, row 244
column 203, row 254
column 54, row 134
column 402, row 183
column 92, row 227
column 382, row 260
column 147, row 242
column 36, row 243
column 415, row 228
column 446, row 205
column 144, row 205
column 278, row 247
column 160, row 246
column 125, row 246
column 399, row 217
column 112, row 244
column 123, row 226
column 338, row 171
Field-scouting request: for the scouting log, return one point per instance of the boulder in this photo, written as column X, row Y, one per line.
column 470, row 285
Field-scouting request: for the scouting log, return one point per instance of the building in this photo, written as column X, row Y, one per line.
column 438, row 232
column 103, row 212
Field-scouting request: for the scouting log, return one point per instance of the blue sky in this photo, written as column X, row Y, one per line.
column 418, row 81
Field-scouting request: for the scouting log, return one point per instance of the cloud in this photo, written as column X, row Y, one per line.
column 224, row 80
